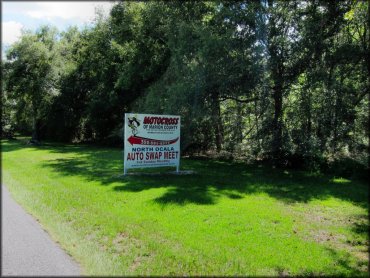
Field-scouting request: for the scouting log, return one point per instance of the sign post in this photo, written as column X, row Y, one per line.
column 151, row 141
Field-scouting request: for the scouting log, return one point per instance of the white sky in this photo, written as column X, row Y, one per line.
column 11, row 30
column 31, row 14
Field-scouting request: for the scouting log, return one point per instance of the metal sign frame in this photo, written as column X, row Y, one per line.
column 151, row 140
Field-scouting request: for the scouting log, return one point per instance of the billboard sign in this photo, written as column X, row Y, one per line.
column 151, row 141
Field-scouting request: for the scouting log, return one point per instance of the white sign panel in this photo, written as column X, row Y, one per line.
column 151, row 141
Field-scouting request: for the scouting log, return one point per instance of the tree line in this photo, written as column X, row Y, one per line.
column 282, row 81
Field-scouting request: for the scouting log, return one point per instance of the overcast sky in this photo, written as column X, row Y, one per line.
column 31, row 14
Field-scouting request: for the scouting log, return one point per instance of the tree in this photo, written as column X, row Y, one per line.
column 297, row 34
column 285, row 81
column 31, row 75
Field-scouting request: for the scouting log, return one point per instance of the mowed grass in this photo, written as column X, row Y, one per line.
column 228, row 219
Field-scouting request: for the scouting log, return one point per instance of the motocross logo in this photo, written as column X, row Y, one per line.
column 134, row 123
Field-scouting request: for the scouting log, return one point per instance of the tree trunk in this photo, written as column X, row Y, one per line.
column 239, row 123
column 216, row 111
column 277, row 71
column 277, row 123
column 35, row 135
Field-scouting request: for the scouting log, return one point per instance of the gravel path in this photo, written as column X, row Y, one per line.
column 27, row 250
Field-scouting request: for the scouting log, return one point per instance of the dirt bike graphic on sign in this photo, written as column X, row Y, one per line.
column 133, row 123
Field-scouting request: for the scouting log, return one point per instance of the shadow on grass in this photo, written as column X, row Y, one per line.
column 214, row 178
column 344, row 263
column 356, row 268
column 13, row 145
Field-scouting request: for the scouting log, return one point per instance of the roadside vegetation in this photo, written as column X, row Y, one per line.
column 230, row 218
column 274, row 105
column 281, row 81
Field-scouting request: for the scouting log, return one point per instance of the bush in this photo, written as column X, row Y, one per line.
column 347, row 168
column 222, row 155
column 114, row 139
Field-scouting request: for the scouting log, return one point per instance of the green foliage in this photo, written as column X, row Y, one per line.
column 31, row 76
column 281, row 81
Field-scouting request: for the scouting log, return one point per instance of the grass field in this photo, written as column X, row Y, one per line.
column 228, row 219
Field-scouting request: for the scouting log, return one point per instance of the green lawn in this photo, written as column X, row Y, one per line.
column 228, row 219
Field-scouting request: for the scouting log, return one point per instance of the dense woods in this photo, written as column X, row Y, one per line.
column 280, row 81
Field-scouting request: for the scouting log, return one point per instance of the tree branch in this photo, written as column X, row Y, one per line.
column 237, row 99
column 365, row 92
